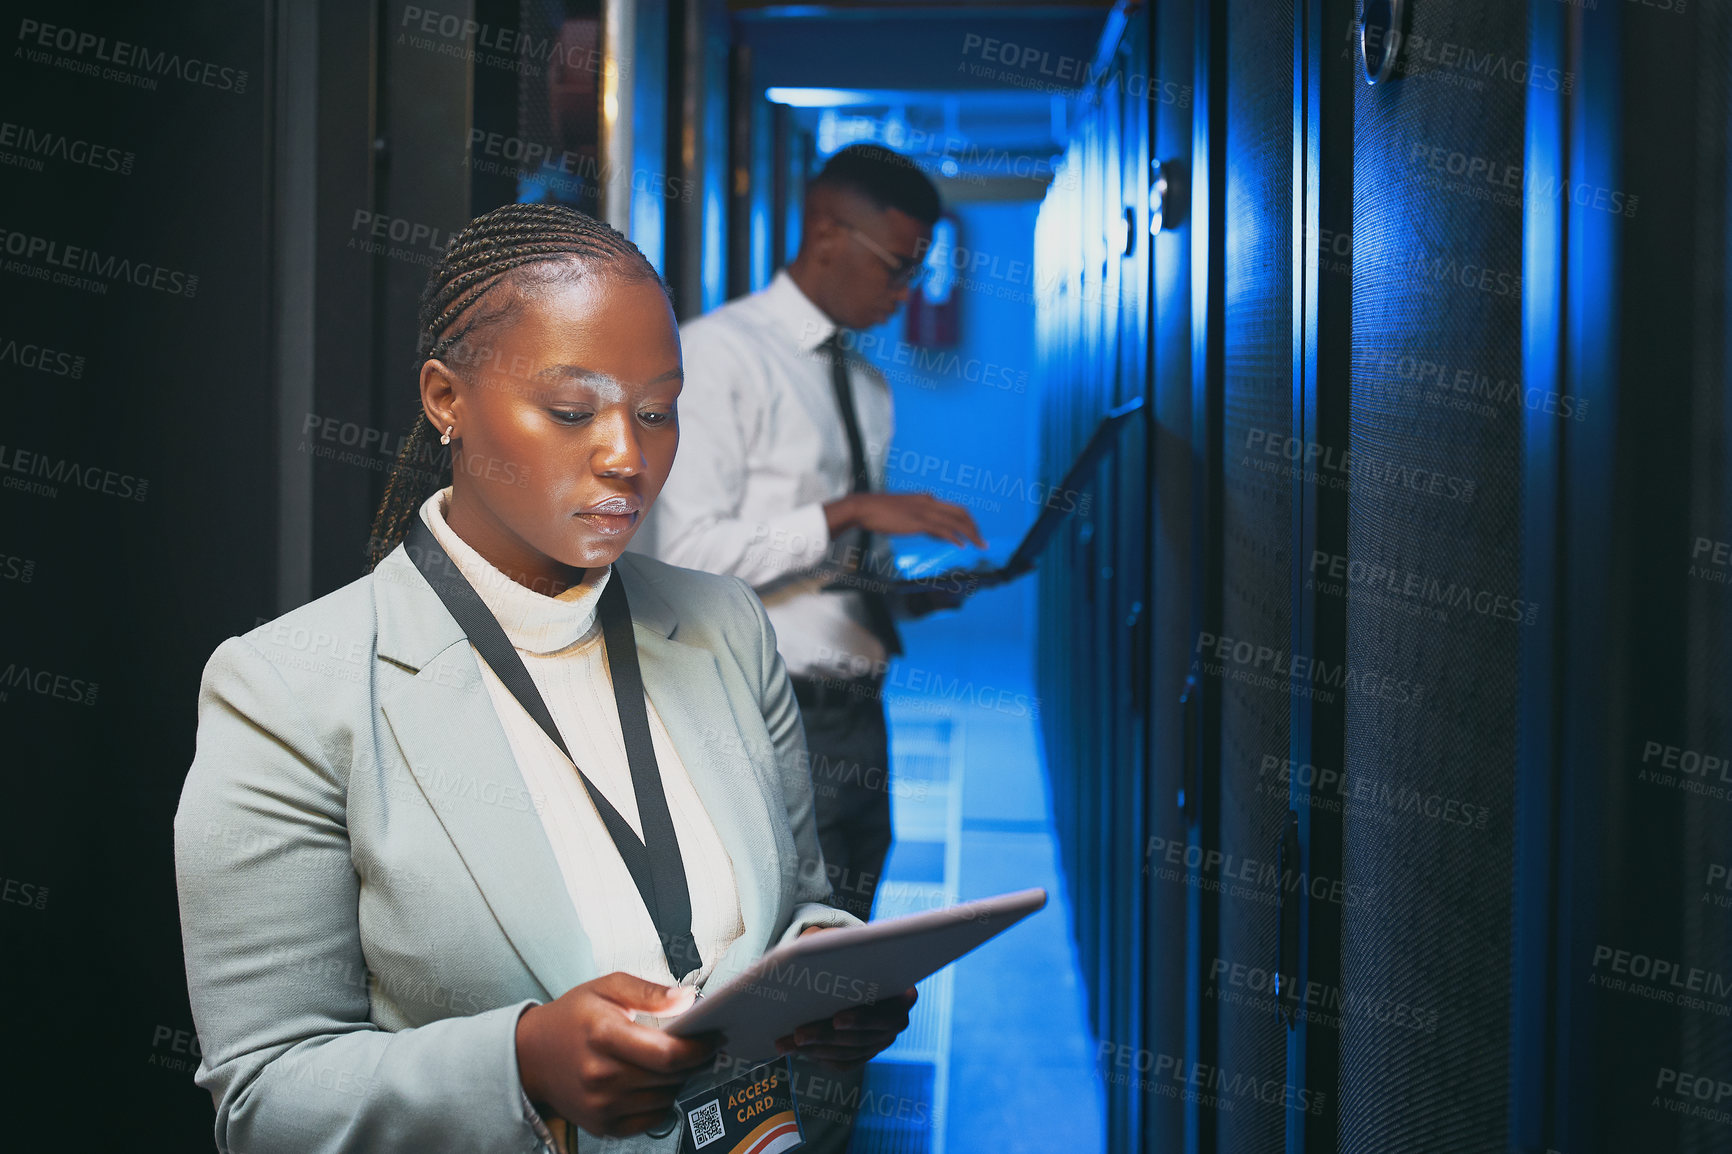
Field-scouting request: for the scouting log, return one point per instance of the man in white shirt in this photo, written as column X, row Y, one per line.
column 783, row 441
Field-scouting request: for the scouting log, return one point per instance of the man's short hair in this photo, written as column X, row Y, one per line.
column 887, row 179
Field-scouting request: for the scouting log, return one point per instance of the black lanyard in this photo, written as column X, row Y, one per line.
column 655, row 863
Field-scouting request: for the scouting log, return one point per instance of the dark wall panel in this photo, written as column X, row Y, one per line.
column 1705, row 900
column 137, row 515
column 1651, row 715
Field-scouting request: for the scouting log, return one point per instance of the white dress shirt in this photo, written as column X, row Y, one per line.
column 560, row 642
column 762, row 449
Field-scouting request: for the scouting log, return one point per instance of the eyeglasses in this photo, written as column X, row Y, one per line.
column 908, row 271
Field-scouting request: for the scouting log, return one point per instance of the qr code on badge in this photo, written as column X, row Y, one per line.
column 706, row 1123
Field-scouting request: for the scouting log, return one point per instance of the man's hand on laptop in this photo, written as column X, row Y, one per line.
column 903, row 514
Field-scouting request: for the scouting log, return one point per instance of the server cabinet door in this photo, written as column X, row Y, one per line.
column 1171, row 523
column 1431, row 581
column 1127, row 616
column 1246, row 659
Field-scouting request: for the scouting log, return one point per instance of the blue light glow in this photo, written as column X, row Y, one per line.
column 817, row 97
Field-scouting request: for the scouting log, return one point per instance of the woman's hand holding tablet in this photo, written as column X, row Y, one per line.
column 829, row 997
column 852, row 1037
column 583, row 1058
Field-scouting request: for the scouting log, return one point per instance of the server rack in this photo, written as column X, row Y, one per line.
column 1394, row 745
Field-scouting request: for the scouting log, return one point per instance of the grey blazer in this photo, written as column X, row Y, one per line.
column 367, row 898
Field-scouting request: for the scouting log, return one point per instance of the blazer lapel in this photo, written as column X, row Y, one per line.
column 444, row 721
column 686, row 687
column 683, row 683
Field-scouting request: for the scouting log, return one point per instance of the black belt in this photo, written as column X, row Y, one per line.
column 829, row 692
column 654, row 863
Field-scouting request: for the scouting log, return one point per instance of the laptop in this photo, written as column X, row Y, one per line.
column 933, row 573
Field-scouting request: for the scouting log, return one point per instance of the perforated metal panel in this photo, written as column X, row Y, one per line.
column 558, row 100
column 1257, row 527
column 1432, row 582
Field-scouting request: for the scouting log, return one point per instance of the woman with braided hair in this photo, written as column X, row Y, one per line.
column 453, row 830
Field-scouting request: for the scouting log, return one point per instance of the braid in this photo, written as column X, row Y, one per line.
column 405, row 488
column 488, row 251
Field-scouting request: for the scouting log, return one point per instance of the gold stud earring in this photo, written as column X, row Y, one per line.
column 446, row 438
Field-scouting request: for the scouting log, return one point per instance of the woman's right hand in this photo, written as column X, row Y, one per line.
column 582, row 1057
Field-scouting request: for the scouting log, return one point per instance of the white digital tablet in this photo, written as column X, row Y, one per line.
column 816, row 975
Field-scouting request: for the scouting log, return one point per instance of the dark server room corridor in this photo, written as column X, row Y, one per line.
column 876, row 576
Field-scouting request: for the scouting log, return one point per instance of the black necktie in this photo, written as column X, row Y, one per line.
column 878, row 616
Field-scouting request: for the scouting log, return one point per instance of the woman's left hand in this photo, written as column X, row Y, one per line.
column 850, row 1038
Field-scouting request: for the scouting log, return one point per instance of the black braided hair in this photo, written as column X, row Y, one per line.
column 497, row 247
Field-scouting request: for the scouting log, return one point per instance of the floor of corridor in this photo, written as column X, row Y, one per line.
column 999, row 1056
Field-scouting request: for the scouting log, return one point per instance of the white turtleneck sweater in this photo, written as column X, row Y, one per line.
column 560, row 641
